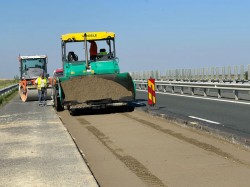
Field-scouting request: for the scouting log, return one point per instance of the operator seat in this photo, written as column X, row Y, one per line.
column 102, row 55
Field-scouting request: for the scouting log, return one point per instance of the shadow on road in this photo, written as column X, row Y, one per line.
column 100, row 111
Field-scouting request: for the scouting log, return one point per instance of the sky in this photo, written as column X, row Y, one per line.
column 150, row 34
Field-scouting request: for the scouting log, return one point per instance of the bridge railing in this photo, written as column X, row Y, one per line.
column 172, row 86
column 190, row 80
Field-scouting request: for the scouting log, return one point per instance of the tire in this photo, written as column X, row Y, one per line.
column 57, row 103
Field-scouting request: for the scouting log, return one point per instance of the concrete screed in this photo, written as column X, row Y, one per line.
column 36, row 149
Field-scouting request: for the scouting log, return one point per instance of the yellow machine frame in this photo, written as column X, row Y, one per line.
column 78, row 37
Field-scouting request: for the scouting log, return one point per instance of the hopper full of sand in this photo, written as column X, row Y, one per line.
column 87, row 89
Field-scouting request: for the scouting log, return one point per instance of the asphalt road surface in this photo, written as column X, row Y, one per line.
column 227, row 115
column 137, row 149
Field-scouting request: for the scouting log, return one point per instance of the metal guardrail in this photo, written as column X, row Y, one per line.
column 8, row 89
column 205, row 86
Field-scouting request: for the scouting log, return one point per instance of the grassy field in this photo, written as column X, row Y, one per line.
column 4, row 83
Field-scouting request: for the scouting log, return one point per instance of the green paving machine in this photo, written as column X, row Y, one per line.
column 93, row 80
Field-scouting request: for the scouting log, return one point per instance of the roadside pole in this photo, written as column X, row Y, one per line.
column 151, row 92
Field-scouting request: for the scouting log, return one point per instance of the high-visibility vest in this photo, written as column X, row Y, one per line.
column 103, row 53
column 41, row 83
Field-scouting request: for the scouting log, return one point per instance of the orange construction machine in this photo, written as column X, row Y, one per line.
column 30, row 68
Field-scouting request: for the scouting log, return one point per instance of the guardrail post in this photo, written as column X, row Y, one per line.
column 164, row 88
column 192, row 90
column 182, row 90
column 205, row 92
column 236, row 95
column 172, row 89
column 219, row 93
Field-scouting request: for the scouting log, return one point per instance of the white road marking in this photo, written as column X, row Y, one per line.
column 197, row 97
column 201, row 119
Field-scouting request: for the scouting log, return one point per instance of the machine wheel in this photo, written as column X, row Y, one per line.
column 57, row 103
column 28, row 95
column 72, row 112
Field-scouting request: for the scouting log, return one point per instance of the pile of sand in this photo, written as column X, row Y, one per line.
column 82, row 89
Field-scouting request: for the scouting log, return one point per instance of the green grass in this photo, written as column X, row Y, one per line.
column 6, row 83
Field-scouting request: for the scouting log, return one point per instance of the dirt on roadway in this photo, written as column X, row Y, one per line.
column 137, row 149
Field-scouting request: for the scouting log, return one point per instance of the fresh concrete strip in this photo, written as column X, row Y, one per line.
column 36, row 149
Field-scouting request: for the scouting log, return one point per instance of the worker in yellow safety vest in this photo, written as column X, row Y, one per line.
column 42, row 84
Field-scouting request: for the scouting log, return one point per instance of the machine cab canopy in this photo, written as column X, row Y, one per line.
column 78, row 37
column 32, row 66
column 33, row 57
column 36, row 61
column 76, row 48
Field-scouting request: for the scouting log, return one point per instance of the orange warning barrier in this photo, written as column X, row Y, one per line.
column 151, row 92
